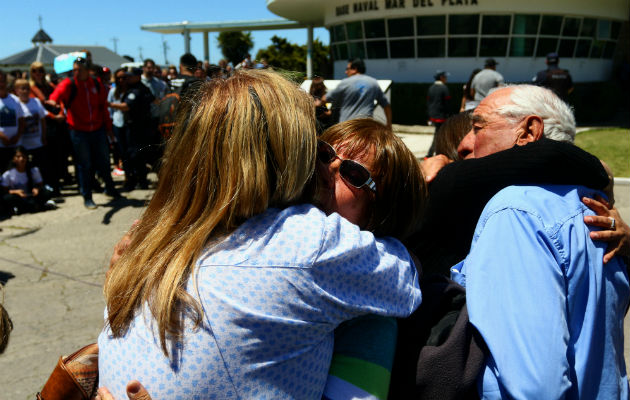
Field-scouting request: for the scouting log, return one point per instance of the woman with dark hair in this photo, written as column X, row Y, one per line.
column 114, row 98
column 468, row 99
column 451, row 134
column 23, row 186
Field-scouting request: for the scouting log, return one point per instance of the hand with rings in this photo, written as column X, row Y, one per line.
column 614, row 230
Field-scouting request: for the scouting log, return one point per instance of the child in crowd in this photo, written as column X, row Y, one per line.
column 23, row 186
column 34, row 115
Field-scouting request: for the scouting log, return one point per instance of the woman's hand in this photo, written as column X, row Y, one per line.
column 617, row 234
column 135, row 391
column 432, row 165
column 35, row 191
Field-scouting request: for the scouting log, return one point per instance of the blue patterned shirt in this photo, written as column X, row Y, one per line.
column 272, row 294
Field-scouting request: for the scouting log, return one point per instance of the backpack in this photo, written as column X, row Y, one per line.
column 73, row 89
column 165, row 113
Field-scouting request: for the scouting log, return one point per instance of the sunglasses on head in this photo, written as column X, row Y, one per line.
column 351, row 171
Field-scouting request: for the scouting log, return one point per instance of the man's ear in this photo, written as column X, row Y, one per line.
column 532, row 129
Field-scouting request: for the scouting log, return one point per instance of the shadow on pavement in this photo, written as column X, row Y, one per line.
column 5, row 276
column 116, row 205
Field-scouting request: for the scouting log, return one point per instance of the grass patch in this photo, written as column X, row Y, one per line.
column 610, row 145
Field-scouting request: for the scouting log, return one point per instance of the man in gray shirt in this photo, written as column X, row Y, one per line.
column 486, row 80
column 355, row 95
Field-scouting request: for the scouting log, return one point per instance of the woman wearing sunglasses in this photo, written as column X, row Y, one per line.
column 232, row 285
column 367, row 175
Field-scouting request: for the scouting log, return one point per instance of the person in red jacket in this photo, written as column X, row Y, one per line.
column 85, row 100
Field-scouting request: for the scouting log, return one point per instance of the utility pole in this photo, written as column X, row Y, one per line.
column 140, row 53
column 115, row 40
column 165, row 49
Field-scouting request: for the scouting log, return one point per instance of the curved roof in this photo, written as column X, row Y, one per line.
column 306, row 11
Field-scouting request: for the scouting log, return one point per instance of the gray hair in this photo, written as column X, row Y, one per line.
column 557, row 116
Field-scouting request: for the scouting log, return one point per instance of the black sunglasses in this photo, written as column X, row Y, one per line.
column 351, row 171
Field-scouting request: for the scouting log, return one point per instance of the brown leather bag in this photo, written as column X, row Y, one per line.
column 75, row 377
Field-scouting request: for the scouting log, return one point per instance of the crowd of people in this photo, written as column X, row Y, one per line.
column 289, row 253
column 88, row 118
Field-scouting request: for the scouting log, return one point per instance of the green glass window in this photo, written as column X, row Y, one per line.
column 566, row 47
column 588, row 27
column 462, row 47
column 614, row 30
column 609, row 50
column 400, row 27
column 354, row 29
column 376, row 49
column 431, row 48
column 525, row 24
column 431, row 25
column 339, row 33
column 522, row 47
column 342, row 50
column 495, row 25
column 571, row 27
column 402, row 48
column 357, row 50
column 374, row 28
column 597, row 48
column 550, row 25
column 583, row 48
column 546, row 46
column 493, row 47
column 463, row 24
column 603, row 29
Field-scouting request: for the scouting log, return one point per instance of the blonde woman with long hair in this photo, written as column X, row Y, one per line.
column 233, row 284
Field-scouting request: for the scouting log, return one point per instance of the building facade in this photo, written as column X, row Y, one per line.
column 408, row 40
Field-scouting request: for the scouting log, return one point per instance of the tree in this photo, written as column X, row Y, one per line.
column 235, row 45
column 289, row 56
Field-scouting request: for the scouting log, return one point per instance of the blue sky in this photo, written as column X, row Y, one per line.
column 89, row 22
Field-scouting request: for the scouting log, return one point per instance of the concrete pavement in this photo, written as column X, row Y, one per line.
column 53, row 264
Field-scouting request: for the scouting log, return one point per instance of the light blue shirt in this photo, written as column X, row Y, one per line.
column 550, row 312
column 117, row 116
column 272, row 295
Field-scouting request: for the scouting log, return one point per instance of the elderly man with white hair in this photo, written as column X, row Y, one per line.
column 550, row 313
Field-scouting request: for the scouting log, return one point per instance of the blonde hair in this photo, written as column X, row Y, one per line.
column 241, row 145
column 20, row 82
column 400, row 187
column 35, row 65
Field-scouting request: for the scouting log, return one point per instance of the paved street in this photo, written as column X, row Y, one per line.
column 53, row 264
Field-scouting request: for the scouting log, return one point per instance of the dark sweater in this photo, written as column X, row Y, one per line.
column 461, row 190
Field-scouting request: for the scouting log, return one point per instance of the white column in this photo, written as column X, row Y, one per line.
column 186, row 41
column 206, row 47
column 309, row 52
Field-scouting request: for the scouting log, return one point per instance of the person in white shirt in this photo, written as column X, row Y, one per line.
column 23, row 186
column 11, row 127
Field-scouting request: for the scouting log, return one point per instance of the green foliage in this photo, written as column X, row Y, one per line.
column 284, row 55
column 610, row 145
column 235, row 45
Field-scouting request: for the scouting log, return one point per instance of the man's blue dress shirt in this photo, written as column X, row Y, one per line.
column 550, row 312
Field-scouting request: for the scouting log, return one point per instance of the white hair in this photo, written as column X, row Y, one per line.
column 557, row 116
